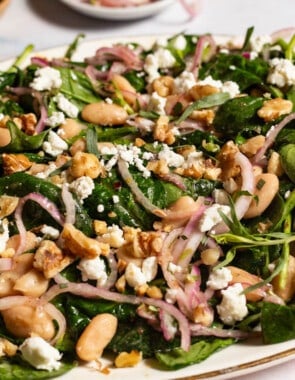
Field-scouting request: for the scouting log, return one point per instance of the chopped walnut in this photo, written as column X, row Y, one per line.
column 199, row 91
column 251, row 146
column 8, row 205
column 159, row 167
column 28, row 123
column 274, row 108
column 274, row 164
column 163, row 132
column 125, row 359
column 205, row 117
column 163, row 85
column 50, row 259
column 13, row 163
column 227, row 161
column 141, row 244
column 154, row 292
column 7, row 348
column 78, row 244
column 100, row 227
column 85, row 164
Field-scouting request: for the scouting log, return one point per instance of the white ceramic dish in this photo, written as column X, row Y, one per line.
column 120, row 14
column 240, row 359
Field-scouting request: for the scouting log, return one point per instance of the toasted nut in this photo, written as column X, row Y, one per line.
column 163, row 85
column 274, row 108
column 81, row 245
column 274, row 164
column 50, row 259
column 247, row 279
column 287, row 290
column 24, row 321
column 154, row 292
column 199, row 91
column 125, row 359
column 162, row 131
column 104, row 114
column 267, row 186
column 252, row 145
column 78, row 146
column 32, row 283
column 96, row 336
column 7, row 348
column 85, row 164
column 7, row 205
column 15, row 163
column 203, row 314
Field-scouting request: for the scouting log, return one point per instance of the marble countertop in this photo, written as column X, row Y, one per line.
column 49, row 23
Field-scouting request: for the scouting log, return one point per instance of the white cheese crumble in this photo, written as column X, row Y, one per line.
column 157, row 103
column 57, row 118
column 46, row 78
column 211, row 216
column 171, row 295
column 40, row 354
column 93, row 269
column 179, row 42
column 219, row 278
column 114, row 236
column 134, row 275
column 50, row 168
column 282, row 72
column 51, row 232
column 232, row 88
column 82, row 187
column 4, row 235
column 100, row 208
column 233, row 306
column 173, row 159
column 161, row 59
column 184, row 82
column 54, row 144
column 258, row 42
column 149, row 268
column 63, row 103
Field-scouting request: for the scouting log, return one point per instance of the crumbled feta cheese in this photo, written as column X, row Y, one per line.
column 40, row 354
column 50, row 168
column 63, row 103
column 162, row 41
column 57, row 118
column 54, row 144
column 257, row 42
column 134, row 275
column 149, row 268
column 82, row 187
column 179, row 42
column 151, row 67
column 157, row 103
column 219, row 278
column 232, row 88
column 211, row 216
column 116, row 199
column 193, row 159
column 4, row 235
column 93, row 269
column 185, row 81
column 46, row 78
column 114, row 236
column 100, row 208
column 173, row 159
column 51, row 232
column 161, row 59
column 233, row 306
column 282, row 72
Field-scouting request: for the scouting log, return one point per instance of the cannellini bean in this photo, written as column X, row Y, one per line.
column 286, row 292
column 31, row 242
column 104, row 114
column 128, row 91
column 32, row 283
column 5, row 137
column 23, row 263
column 96, row 336
column 70, row 128
column 7, row 281
column 247, row 279
column 25, row 320
column 267, row 186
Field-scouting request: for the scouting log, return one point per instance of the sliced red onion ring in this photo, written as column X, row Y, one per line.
column 89, row 291
column 201, row 44
column 200, row 330
column 270, row 138
column 69, row 203
column 243, row 202
column 141, row 198
column 11, row 301
column 56, row 315
column 45, row 203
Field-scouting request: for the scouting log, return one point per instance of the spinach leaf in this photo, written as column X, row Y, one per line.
column 277, row 322
column 77, row 86
column 137, row 81
column 287, row 154
column 177, row 358
column 236, row 68
column 21, row 142
column 236, row 115
column 17, row 369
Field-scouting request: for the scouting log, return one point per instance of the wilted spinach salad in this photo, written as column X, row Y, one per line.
column 147, row 202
